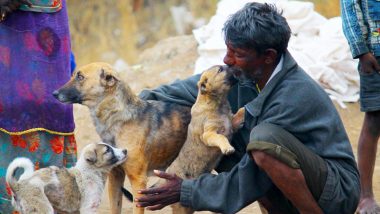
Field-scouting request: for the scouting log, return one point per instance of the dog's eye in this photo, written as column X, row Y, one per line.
column 108, row 149
column 220, row 69
column 80, row 77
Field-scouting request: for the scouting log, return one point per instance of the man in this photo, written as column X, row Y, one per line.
column 361, row 26
column 292, row 155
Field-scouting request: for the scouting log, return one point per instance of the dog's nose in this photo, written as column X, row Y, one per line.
column 125, row 151
column 56, row 93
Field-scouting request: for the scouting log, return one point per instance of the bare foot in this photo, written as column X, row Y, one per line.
column 368, row 206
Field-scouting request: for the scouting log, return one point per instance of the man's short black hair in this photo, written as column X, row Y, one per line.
column 259, row 27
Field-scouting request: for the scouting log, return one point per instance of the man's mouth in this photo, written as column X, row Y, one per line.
column 235, row 75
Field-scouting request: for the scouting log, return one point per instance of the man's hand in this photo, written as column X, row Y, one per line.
column 159, row 197
column 369, row 63
column 8, row 6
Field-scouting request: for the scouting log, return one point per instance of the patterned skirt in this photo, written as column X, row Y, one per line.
column 42, row 148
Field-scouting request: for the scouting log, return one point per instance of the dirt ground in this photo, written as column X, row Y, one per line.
column 172, row 59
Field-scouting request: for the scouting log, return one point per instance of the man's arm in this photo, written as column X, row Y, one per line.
column 353, row 27
column 183, row 92
column 226, row 192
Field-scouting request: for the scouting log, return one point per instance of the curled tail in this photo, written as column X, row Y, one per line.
column 22, row 162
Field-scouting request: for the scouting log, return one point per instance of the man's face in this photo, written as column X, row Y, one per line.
column 247, row 63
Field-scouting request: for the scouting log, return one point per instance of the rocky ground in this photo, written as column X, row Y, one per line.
column 172, row 59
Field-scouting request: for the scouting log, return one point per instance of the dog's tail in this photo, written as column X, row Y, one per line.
column 22, row 162
column 127, row 194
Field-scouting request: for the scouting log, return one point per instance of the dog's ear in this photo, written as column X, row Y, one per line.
column 202, row 86
column 107, row 79
column 90, row 157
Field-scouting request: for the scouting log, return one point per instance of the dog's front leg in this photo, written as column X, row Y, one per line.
column 138, row 182
column 177, row 208
column 238, row 119
column 115, row 183
column 212, row 138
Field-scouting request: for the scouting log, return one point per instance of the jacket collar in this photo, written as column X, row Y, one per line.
column 255, row 106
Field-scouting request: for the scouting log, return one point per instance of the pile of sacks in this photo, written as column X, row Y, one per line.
column 317, row 44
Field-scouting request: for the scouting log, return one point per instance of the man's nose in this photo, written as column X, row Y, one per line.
column 228, row 60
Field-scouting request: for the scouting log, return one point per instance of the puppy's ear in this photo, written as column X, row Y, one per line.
column 90, row 157
column 107, row 79
column 203, row 88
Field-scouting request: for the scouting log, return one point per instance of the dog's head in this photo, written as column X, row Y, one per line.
column 102, row 156
column 216, row 81
column 88, row 85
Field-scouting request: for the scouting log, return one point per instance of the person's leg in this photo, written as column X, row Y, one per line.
column 298, row 173
column 290, row 181
column 367, row 148
column 369, row 136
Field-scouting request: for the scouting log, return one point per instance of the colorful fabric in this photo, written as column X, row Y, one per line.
column 44, row 149
column 34, row 61
column 45, row 6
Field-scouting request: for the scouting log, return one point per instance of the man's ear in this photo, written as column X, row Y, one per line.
column 90, row 157
column 270, row 56
column 107, row 79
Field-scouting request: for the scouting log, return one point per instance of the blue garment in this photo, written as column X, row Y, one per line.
column 361, row 26
column 369, row 90
column 73, row 64
column 293, row 101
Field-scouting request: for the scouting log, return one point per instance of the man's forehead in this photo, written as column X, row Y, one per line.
column 230, row 46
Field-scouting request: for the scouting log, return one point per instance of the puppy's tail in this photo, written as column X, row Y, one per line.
column 22, row 162
column 127, row 194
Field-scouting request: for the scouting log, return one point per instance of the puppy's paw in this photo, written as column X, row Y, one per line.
column 238, row 119
column 227, row 150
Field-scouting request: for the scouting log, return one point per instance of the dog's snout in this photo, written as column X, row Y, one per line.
column 56, row 93
column 125, row 152
column 220, row 69
column 230, row 76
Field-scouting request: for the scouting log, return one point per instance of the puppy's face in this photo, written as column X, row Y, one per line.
column 103, row 156
column 216, row 81
column 88, row 84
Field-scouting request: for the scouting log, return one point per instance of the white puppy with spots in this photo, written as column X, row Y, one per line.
column 73, row 190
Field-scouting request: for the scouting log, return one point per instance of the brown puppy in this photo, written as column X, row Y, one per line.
column 152, row 131
column 210, row 129
column 73, row 190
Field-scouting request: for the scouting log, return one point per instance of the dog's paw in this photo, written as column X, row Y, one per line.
column 227, row 150
column 238, row 119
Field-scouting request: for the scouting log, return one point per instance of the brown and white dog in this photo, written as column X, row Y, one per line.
column 152, row 131
column 75, row 190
